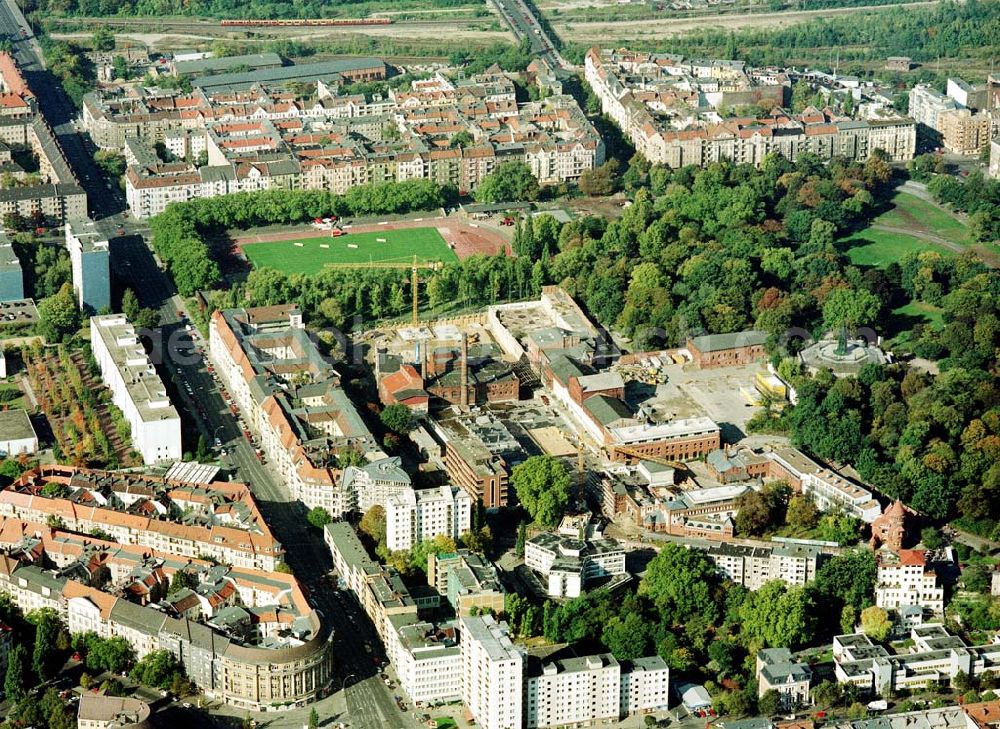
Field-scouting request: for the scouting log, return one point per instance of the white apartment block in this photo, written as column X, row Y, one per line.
column 828, row 490
column 492, row 673
column 905, row 579
column 926, row 104
column 567, row 564
column 414, row 516
column 426, row 658
column 645, row 686
column 753, row 567
column 372, row 484
column 136, row 388
column 573, row 691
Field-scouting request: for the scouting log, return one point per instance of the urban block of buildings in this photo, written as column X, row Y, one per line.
column 291, row 397
column 414, row 516
column 51, row 194
column 966, row 117
column 673, row 112
column 244, row 633
column 935, row 659
column 467, row 580
column 136, row 388
column 253, row 133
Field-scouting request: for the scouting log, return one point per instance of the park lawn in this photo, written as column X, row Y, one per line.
column 930, row 218
column 399, row 246
column 14, row 404
column 930, row 313
column 878, row 248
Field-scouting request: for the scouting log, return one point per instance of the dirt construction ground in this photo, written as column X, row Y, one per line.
column 465, row 239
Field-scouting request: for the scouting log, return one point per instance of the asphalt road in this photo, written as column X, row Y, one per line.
column 523, row 24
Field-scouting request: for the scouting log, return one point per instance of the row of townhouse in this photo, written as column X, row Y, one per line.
column 276, row 657
column 935, row 659
column 242, row 542
column 688, row 136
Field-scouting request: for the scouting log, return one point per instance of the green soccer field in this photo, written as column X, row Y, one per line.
column 308, row 255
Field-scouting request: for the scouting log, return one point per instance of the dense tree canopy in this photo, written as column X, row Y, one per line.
column 542, row 485
column 509, row 182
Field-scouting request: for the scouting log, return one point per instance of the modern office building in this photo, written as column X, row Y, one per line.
column 136, row 388
column 90, row 257
column 566, row 564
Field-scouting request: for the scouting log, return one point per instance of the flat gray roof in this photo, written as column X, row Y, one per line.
column 15, row 425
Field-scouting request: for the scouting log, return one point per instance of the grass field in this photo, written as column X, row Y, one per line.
column 911, row 211
column 306, row 256
column 878, row 248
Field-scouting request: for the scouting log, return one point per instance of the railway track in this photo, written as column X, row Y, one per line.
column 219, row 25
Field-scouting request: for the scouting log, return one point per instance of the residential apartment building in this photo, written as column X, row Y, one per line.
column 414, row 516
column 154, row 425
column 291, row 397
column 572, row 691
column 828, row 490
column 567, row 564
column 492, row 673
column 964, row 116
column 777, row 670
column 374, row 483
column 753, row 567
column 111, row 712
column 55, row 195
column 91, row 264
column 658, row 102
column 904, row 578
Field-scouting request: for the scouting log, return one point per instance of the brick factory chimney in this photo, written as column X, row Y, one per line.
column 463, row 370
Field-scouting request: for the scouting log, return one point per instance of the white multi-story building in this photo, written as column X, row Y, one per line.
column 926, row 104
column 753, row 567
column 492, row 673
column 414, row 516
column 568, row 564
column 905, row 579
column 426, row 658
column 645, row 685
column 828, row 490
column 573, row 691
column 136, row 388
column 372, row 484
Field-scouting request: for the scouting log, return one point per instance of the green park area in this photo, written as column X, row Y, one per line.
column 909, row 225
column 309, row 255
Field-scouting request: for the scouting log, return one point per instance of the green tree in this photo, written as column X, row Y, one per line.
column 542, row 485
column 828, row 694
column 627, row 637
column 850, row 309
column 103, row 39
column 847, row 579
column 802, row 512
column 769, row 703
column 510, row 182
column 319, row 517
column 59, row 314
column 522, row 536
column 848, row 619
column 875, row 623
column 157, row 668
column 372, row 524
column 15, row 681
column 778, row 616
column 397, row 418
column 182, row 579
column 45, row 655
column 679, row 582
column 108, row 654
column 313, row 719
column 602, row 180
column 840, row 528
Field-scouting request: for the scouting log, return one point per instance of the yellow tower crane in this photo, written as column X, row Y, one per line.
column 414, row 267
